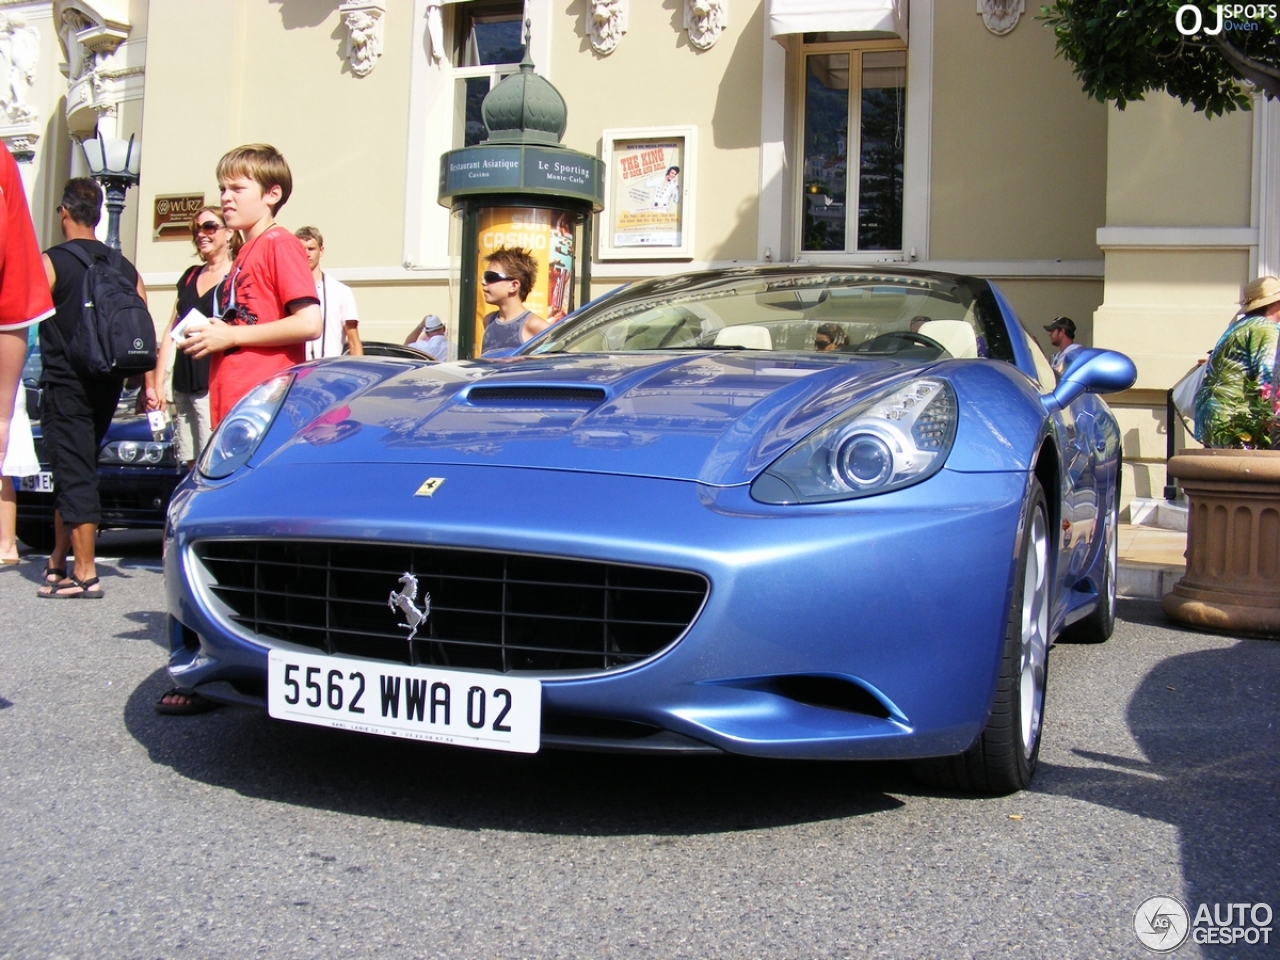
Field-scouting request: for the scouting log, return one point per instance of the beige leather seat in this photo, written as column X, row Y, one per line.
column 745, row 335
column 956, row 335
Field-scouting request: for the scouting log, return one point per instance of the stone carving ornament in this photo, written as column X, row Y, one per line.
column 79, row 60
column 1001, row 16
column 19, row 53
column 363, row 19
column 705, row 20
column 99, row 78
column 608, row 22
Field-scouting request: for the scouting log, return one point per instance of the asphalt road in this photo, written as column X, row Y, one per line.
column 127, row 834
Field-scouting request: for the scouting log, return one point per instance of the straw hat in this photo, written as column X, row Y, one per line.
column 1258, row 293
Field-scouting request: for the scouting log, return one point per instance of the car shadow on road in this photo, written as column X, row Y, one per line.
column 1208, row 724
column 555, row 792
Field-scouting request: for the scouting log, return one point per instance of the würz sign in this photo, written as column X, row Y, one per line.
column 173, row 215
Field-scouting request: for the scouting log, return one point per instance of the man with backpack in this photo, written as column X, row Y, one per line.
column 96, row 336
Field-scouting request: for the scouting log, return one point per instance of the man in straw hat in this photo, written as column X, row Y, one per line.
column 1241, row 370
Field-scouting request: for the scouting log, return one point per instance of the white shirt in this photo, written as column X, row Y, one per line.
column 1060, row 359
column 337, row 306
column 436, row 345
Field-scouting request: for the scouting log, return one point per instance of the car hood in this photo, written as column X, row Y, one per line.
column 717, row 418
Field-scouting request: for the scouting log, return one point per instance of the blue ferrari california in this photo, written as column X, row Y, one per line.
column 804, row 512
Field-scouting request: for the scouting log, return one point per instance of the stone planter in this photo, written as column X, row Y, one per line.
column 1233, row 541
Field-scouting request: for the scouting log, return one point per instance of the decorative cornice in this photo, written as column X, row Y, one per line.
column 123, row 73
column 1184, row 238
column 21, row 145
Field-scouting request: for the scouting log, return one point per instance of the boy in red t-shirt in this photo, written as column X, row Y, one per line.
column 269, row 296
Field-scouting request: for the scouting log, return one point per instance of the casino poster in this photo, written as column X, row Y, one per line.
column 549, row 236
column 647, row 194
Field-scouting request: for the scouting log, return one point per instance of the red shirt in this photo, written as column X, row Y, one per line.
column 270, row 272
column 24, row 289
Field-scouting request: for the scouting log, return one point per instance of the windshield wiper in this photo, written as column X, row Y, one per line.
column 705, row 346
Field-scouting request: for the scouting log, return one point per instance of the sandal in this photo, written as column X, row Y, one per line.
column 194, row 703
column 50, row 592
column 54, row 574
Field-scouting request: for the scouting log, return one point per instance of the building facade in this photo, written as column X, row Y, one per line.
column 890, row 131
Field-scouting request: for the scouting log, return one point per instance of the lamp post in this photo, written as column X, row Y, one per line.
column 115, row 164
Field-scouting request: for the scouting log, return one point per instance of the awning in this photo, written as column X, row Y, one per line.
column 837, row 16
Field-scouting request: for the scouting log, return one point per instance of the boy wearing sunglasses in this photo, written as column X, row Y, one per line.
column 268, row 304
column 506, row 284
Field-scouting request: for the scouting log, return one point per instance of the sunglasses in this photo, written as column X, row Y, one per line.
column 820, row 344
column 492, row 276
column 209, row 226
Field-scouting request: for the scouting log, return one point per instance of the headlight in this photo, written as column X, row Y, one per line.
column 142, row 453
column 239, row 434
column 894, row 439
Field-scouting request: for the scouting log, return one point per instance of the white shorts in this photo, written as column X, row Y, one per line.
column 191, row 427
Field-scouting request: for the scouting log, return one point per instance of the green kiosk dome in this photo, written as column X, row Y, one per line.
column 524, row 108
column 518, row 177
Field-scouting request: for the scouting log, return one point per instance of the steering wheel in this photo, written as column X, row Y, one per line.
column 896, row 340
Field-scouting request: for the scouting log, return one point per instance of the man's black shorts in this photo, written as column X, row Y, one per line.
column 73, row 421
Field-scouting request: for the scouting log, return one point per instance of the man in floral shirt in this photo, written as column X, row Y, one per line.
column 1236, row 403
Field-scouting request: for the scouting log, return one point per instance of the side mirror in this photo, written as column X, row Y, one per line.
column 1092, row 371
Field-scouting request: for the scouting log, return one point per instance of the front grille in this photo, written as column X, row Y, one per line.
column 492, row 611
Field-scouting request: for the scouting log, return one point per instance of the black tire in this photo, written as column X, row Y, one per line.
column 1098, row 626
column 1004, row 757
column 36, row 534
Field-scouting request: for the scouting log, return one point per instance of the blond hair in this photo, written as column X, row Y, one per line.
column 233, row 244
column 261, row 163
column 310, row 233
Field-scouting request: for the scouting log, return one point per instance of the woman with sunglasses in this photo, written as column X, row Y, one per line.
column 216, row 245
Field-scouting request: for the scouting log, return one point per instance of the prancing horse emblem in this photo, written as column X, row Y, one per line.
column 403, row 600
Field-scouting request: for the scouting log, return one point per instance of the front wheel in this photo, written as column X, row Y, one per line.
column 1004, row 757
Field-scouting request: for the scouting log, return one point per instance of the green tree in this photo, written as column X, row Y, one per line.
column 1121, row 49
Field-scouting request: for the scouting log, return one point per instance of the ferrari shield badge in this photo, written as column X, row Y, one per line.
column 429, row 486
column 403, row 600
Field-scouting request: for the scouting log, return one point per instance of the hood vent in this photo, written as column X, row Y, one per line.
column 551, row 396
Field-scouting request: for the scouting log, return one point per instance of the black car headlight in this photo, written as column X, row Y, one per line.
column 240, row 432
column 137, row 453
column 893, row 439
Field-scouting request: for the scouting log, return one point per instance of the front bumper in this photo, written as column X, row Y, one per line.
column 903, row 597
column 131, row 497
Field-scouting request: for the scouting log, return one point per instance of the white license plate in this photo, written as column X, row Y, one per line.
column 481, row 710
column 37, row 483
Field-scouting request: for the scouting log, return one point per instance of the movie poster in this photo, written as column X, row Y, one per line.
column 549, row 236
column 646, row 195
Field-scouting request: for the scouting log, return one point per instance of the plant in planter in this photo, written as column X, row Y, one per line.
column 1233, row 486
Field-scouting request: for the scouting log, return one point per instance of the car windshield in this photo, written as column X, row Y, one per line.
column 913, row 317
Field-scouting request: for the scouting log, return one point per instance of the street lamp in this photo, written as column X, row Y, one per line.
column 114, row 164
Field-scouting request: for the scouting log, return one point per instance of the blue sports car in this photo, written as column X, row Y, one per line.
column 803, row 512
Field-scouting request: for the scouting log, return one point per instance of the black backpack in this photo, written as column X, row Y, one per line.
column 115, row 336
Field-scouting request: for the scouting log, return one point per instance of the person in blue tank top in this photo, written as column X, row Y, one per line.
column 507, row 283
